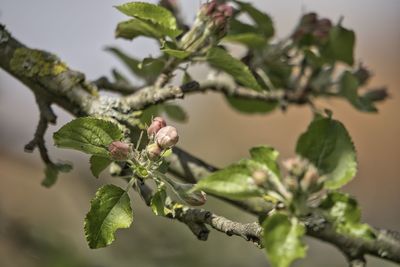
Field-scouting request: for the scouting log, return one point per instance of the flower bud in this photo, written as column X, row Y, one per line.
column 208, row 8
column 167, row 137
column 153, row 151
column 155, row 126
column 120, row 150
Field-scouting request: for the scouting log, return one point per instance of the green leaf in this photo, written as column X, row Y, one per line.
column 349, row 89
column 327, row 144
column 98, row 164
column 251, row 106
column 263, row 21
column 234, row 181
column 51, row 173
column 340, row 45
column 282, row 239
column 343, row 211
column 252, row 40
column 134, row 28
column 89, row 135
column 268, row 156
column 171, row 49
column 148, row 69
column 157, row 203
column 110, row 210
column 222, row 60
column 175, row 112
column 153, row 14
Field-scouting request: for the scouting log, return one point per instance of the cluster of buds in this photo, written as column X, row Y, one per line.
column 120, row 151
column 218, row 15
column 163, row 137
column 313, row 27
column 211, row 25
column 303, row 175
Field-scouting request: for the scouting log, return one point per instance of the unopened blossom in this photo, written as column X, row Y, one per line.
column 155, row 126
column 153, row 151
column 120, row 150
column 167, row 137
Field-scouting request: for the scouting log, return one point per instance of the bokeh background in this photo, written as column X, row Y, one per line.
column 44, row 227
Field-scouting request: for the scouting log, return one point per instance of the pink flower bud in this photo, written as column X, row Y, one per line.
column 167, row 137
column 226, row 10
column 153, row 151
column 155, row 126
column 208, row 8
column 120, row 150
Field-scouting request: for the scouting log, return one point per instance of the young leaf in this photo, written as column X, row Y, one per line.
column 98, row 164
column 222, row 60
column 234, row 181
column 134, row 28
column 344, row 213
column 349, row 89
column 153, row 14
column 157, row 203
column 327, row 144
column 251, row 106
column 173, row 50
column 110, row 210
column 175, row 112
column 282, row 239
column 252, row 40
column 268, row 156
column 89, row 135
column 340, row 45
column 263, row 21
column 52, row 171
column 147, row 69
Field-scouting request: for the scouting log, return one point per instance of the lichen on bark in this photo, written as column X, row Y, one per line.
column 32, row 62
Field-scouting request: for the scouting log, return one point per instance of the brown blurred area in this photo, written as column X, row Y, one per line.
column 44, row 227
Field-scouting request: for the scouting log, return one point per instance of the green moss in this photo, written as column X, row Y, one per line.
column 31, row 62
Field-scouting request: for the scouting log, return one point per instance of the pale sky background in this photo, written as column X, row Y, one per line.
column 78, row 31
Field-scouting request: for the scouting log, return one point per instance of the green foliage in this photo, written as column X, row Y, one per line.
column 154, row 16
column 349, row 89
column 171, row 49
column 175, row 112
column 222, row 60
column 51, row 173
column 236, row 181
column 249, row 39
column 282, row 239
column 89, row 135
column 340, row 45
column 157, row 203
column 98, row 164
column 268, row 156
column 148, row 70
column 262, row 20
column 327, row 144
column 344, row 213
column 134, row 28
column 251, row 106
column 110, row 210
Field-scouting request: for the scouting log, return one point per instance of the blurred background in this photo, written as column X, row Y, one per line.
column 44, row 227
